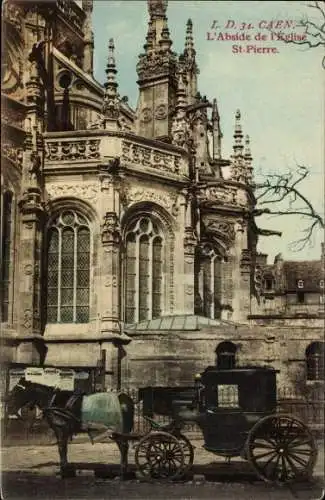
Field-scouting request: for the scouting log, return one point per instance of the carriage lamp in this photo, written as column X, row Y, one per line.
column 197, row 377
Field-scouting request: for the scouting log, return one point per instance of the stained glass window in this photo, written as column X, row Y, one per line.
column 212, row 267
column 68, row 269
column 217, row 281
column 144, row 276
column 157, row 277
column 143, row 271
column 5, row 253
column 130, row 279
column 315, row 353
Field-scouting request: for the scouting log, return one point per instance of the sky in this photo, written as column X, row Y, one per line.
column 280, row 95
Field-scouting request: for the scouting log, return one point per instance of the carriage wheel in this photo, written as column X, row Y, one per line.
column 281, row 449
column 188, row 452
column 159, row 455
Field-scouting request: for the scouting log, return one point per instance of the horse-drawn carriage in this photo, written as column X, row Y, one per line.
column 235, row 410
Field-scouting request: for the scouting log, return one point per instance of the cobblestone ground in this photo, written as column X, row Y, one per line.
column 32, row 472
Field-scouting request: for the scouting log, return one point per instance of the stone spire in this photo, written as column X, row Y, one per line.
column 216, row 131
column 157, row 9
column 111, row 101
column 157, row 26
column 189, row 63
column 238, row 146
column 248, row 160
column 157, row 70
column 158, row 56
column 189, row 50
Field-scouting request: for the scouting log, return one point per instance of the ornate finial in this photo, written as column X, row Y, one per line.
column 181, row 92
column 215, row 111
column 157, row 8
column 150, row 38
column 238, row 135
column 216, row 130
column 111, row 104
column 248, row 160
column 189, row 50
column 165, row 41
column 247, row 147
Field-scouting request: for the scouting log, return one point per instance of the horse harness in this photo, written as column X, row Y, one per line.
column 67, row 412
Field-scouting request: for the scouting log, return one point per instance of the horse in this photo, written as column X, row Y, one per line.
column 63, row 413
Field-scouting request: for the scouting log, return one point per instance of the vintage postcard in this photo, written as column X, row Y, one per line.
column 162, row 249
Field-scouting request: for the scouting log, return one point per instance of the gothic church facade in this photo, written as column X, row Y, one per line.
column 128, row 238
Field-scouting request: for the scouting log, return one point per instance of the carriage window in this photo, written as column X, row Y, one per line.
column 68, row 269
column 315, row 361
column 143, row 271
column 228, row 396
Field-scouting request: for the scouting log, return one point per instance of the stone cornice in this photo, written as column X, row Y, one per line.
column 122, row 134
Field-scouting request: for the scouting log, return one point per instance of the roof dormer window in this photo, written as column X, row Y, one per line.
column 300, row 283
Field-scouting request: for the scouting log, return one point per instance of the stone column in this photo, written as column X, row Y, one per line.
column 111, row 328
column 30, row 254
column 190, row 244
column 111, row 273
column 31, row 349
column 245, row 284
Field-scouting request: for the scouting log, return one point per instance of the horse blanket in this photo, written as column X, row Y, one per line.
column 102, row 409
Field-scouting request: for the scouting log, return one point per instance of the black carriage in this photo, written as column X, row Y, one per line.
column 236, row 412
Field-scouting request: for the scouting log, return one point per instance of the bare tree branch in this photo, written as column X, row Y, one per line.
column 279, row 189
column 314, row 29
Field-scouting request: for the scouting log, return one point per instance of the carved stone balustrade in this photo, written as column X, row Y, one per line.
column 223, row 195
column 72, row 150
column 64, row 151
column 138, row 156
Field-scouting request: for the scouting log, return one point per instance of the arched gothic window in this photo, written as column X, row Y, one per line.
column 226, row 355
column 143, row 271
column 212, row 284
column 6, row 245
column 68, row 273
column 315, row 361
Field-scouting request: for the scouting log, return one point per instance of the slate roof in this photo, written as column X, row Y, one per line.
column 181, row 322
column 309, row 271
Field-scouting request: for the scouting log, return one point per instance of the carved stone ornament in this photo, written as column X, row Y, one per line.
column 258, row 281
column 111, row 281
column 167, row 201
column 28, row 269
column 219, row 194
column 226, row 229
column 161, row 112
column 111, row 229
column 13, row 154
column 156, row 63
column 143, row 156
column 87, row 149
column 146, row 115
column 27, row 320
column 86, row 191
column 190, row 240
